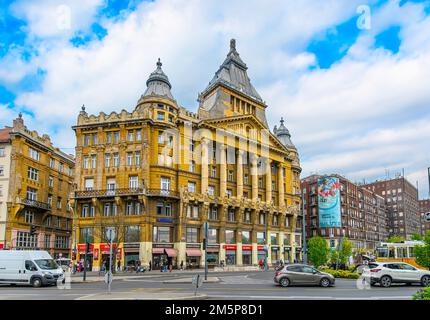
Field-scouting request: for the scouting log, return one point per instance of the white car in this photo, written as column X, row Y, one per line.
column 386, row 273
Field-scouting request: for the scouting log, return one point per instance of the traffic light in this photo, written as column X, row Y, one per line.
column 32, row 230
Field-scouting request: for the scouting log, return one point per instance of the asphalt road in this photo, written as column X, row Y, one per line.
column 250, row 285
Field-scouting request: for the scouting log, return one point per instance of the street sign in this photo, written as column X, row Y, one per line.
column 110, row 233
column 108, row 277
column 427, row 216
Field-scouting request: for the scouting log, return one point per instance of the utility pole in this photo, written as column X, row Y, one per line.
column 85, row 256
column 111, row 236
column 205, row 246
column 304, row 243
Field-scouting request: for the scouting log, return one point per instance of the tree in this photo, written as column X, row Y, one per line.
column 422, row 252
column 318, row 251
column 416, row 237
column 395, row 239
column 346, row 251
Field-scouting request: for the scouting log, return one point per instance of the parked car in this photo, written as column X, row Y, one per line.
column 36, row 268
column 386, row 273
column 301, row 274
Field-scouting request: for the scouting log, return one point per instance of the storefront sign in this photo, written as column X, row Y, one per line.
column 164, row 220
column 1, row 246
column 260, row 248
column 230, row 247
column 105, row 248
column 82, row 246
column 287, row 248
column 244, row 248
column 275, row 248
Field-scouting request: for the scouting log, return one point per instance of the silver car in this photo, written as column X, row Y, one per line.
column 302, row 274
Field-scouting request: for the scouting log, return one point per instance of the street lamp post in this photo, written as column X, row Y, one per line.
column 304, row 243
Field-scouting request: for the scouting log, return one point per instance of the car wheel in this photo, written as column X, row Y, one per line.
column 385, row 281
column 325, row 282
column 36, row 282
column 425, row 281
column 284, row 282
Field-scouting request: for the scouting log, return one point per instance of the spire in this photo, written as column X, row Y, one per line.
column 232, row 72
column 283, row 134
column 158, row 83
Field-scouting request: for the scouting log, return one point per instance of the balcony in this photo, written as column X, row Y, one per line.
column 108, row 193
column 161, row 193
column 34, row 204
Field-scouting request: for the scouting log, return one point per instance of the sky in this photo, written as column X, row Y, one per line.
column 350, row 78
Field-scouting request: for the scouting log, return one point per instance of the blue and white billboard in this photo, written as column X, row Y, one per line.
column 329, row 202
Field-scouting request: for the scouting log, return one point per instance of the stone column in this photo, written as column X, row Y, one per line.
column 254, row 177
column 281, row 190
column 268, row 181
column 204, row 165
column 223, row 171
column 239, row 173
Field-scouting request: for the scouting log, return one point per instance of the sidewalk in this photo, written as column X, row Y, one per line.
column 143, row 296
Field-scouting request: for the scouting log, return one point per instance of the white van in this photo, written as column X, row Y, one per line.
column 29, row 267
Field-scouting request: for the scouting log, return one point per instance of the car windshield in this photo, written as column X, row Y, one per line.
column 46, row 264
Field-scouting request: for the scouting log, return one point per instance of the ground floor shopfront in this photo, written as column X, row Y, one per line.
column 184, row 255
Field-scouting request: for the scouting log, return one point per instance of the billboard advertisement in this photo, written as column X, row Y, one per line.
column 329, row 202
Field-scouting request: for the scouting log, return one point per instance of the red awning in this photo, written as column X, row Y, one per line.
column 170, row 252
column 193, row 252
column 158, row 250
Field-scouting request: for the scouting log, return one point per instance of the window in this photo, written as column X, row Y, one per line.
column 108, row 137
column 116, row 137
column 29, row 216
column 246, row 179
column 213, row 214
column 94, row 138
column 132, row 234
column 160, row 137
column 61, row 242
column 47, row 241
column 193, row 211
column 262, row 218
column 213, row 172
column 115, row 160
column 2, row 152
column 34, row 154
column 231, row 215
column 247, row 216
column 230, row 175
column 160, row 208
column 229, row 193
column 85, row 163
column 85, row 211
column 89, row 184
column 92, row 211
column 130, row 136
column 161, row 234
column 191, row 187
column 137, row 155
column 211, row 190
column 160, row 115
column 1, row 171
column 246, row 237
column 170, row 141
column 25, row 240
column 192, row 166
column 93, row 161
column 129, row 158
column 170, row 118
column 192, row 144
column 133, row 182
column 48, row 221
column 58, row 222
column 31, row 194
column 192, row 235
column 229, row 236
column 168, row 210
column 33, row 174
column 107, row 160
column 165, row 183
column 138, row 135
column 86, row 235
column 213, row 235
column 52, row 163
column 273, row 238
column 275, row 220
column 58, row 203
column 51, row 181
column 86, row 139
column 61, row 167
column 261, row 238
column 111, row 184
column 133, row 208
column 50, row 201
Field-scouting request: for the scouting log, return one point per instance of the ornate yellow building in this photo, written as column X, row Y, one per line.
column 158, row 173
column 35, row 182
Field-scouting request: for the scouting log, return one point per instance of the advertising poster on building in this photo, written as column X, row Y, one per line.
column 329, row 202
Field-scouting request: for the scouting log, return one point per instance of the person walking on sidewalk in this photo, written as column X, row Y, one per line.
column 182, row 265
column 150, row 265
column 260, row 263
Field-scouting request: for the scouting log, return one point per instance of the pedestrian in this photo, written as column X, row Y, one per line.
column 166, row 263
column 260, row 263
column 119, row 266
column 182, row 265
column 150, row 265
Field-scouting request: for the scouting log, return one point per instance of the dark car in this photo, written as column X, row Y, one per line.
column 302, row 274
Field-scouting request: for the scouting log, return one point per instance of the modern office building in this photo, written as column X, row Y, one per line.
column 424, row 207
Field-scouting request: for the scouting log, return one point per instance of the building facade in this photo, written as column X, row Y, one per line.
column 424, row 208
column 401, row 200
column 157, row 174
column 35, row 182
column 363, row 214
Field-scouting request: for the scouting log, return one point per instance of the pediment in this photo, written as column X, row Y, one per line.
column 245, row 126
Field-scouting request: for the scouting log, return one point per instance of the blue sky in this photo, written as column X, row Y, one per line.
column 354, row 98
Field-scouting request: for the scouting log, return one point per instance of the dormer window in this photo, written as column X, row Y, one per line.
column 160, row 115
column 160, row 106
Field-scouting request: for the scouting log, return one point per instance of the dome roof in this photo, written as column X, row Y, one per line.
column 158, row 83
column 283, row 134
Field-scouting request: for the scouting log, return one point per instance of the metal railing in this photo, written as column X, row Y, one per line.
column 162, row 192
column 108, row 193
column 34, row 203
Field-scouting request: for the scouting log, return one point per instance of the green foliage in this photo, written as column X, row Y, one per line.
column 342, row 273
column 422, row 253
column 333, row 256
column 346, row 251
column 416, row 237
column 423, row 294
column 318, row 251
column 395, row 239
